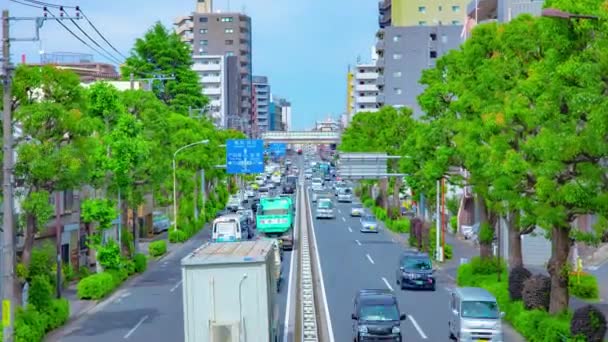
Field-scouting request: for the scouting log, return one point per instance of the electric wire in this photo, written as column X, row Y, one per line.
column 42, row 3
column 94, row 41
column 101, row 35
column 26, row 4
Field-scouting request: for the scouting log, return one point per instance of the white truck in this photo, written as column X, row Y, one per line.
column 229, row 292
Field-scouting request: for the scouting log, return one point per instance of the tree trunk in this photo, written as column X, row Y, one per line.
column 560, row 249
column 30, row 233
column 384, row 193
column 515, row 255
column 485, row 247
column 396, row 188
column 135, row 230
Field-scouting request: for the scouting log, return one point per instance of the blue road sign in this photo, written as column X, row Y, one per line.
column 244, row 156
column 277, row 149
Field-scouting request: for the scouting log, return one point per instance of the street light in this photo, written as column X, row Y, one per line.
column 556, row 13
column 175, row 180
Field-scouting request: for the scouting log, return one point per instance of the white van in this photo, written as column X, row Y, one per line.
column 228, row 228
column 474, row 315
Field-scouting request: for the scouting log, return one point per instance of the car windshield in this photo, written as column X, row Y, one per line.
column 423, row 264
column 345, row 191
column 379, row 313
column 479, row 309
column 325, row 204
column 357, row 206
column 369, row 219
column 275, row 212
column 225, row 228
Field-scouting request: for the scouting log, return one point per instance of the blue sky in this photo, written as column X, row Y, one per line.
column 303, row 46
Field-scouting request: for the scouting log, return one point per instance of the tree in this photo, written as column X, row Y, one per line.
column 161, row 52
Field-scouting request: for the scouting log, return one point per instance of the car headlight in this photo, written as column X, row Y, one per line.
column 363, row 329
column 396, row 330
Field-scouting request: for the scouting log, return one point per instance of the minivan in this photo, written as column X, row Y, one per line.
column 232, row 227
column 376, row 316
column 474, row 316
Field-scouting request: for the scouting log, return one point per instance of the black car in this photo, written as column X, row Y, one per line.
column 289, row 187
column 415, row 270
column 377, row 316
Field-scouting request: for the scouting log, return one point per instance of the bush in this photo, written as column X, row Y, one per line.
column 109, row 255
column 40, row 293
column 42, row 261
column 454, row 223
column 83, row 272
column 128, row 266
column 177, row 236
column 30, row 324
column 535, row 293
column 157, row 248
column 95, row 286
column 517, row 276
column 585, row 287
column 588, row 322
column 58, row 313
column 141, row 262
column 68, row 273
column 485, row 266
column 119, row 276
column 400, row 226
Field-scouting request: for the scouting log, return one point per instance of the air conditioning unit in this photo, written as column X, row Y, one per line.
column 225, row 332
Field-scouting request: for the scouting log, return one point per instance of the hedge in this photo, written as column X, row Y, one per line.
column 96, row 286
column 585, row 287
column 141, row 262
column 533, row 325
column 157, row 248
column 32, row 324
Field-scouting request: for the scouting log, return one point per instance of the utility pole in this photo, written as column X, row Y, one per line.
column 8, row 235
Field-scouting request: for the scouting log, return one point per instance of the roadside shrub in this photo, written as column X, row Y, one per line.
column 585, row 287
column 454, row 223
column 30, row 324
column 40, row 292
column 448, row 251
column 141, row 262
column 486, row 265
column 95, row 286
column 157, row 248
column 535, row 293
column 21, row 272
column 83, row 272
column 400, row 226
column 42, row 261
column 127, row 241
column 68, row 273
column 109, row 255
column 177, row 236
column 128, row 266
column 58, row 313
column 589, row 323
column 119, row 276
column 517, row 276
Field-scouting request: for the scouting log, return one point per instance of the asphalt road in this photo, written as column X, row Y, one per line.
column 150, row 309
column 351, row 260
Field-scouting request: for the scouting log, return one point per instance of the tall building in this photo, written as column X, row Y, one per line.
column 212, row 71
column 479, row 11
column 410, row 39
column 229, row 35
column 282, row 113
column 261, row 89
column 364, row 86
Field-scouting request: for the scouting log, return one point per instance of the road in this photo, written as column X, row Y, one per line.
column 150, row 309
column 351, row 260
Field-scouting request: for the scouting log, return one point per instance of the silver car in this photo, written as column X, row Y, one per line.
column 325, row 209
column 345, row 195
column 369, row 224
column 357, row 210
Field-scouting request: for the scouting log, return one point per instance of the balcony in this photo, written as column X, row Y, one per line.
column 380, row 99
column 366, row 76
column 184, row 27
column 380, row 45
column 380, row 81
column 486, row 9
column 384, row 20
column 366, row 87
column 211, row 79
column 206, row 67
column 384, row 5
column 366, row 99
column 212, row 91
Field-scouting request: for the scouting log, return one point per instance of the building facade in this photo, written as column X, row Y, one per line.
column 502, row 10
column 261, row 89
column 282, row 114
column 229, row 35
column 212, row 77
column 428, row 12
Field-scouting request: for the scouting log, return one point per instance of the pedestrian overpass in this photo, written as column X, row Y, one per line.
column 302, row 137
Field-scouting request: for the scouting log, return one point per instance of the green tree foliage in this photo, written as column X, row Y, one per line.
column 161, row 52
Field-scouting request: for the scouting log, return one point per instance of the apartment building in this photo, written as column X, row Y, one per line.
column 261, row 90
column 280, row 114
column 502, row 10
column 227, row 34
column 211, row 70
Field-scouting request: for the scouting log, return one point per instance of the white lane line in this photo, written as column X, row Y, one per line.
column 343, row 219
column 330, row 329
column 411, row 318
column 339, row 211
column 387, row 284
column 136, row 326
column 452, row 278
column 370, row 259
column 350, row 229
column 289, row 282
column 176, row 286
column 358, row 242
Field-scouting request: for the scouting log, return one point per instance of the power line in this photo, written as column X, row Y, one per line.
column 42, row 3
column 101, row 35
column 80, row 39
column 25, row 4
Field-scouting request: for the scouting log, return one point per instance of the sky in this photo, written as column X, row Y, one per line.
column 303, row 46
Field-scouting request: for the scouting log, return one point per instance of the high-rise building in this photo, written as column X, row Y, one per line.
column 229, row 35
column 261, row 89
column 365, row 86
column 479, row 11
column 427, row 13
column 212, row 71
column 280, row 114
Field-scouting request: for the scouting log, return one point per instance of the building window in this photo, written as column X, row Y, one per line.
column 433, row 36
column 226, row 19
column 397, row 74
column 444, row 38
column 433, row 54
column 422, row 9
column 397, row 56
column 422, row 23
column 203, row 31
column 229, row 30
column 396, row 38
column 204, row 42
column 229, row 42
column 455, row 22
column 229, row 53
column 203, row 19
column 398, row 91
column 68, row 201
column 455, row 8
column 440, row 8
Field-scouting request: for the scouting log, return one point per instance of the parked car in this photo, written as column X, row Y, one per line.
column 376, row 316
column 160, row 222
column 415, row 271
column 369, row 224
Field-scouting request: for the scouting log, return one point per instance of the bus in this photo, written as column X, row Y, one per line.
column 275, row 219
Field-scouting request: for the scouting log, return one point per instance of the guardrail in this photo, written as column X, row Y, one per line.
column 308, row 312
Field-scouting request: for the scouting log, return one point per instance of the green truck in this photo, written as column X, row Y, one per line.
column 275, row 219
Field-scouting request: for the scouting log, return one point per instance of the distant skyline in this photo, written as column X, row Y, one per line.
column 319, row 39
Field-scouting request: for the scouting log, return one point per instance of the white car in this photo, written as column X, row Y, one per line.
column 260, row 180
column 250, row 193
column 317, row 184
column 276, row 179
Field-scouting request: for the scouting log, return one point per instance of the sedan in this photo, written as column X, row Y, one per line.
column 356, row 210
column 369, row 224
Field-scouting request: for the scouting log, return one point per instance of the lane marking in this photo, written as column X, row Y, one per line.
column 358, row 242
column 176, row 286
column 387, row 284
column 350, row 230
column 417, row 327
column 343, row 219
column 449, row 276
column 136, row 326
column 339, row 211
column 370, row 259
column 289, row 282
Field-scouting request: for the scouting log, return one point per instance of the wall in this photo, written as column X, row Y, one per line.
column 406, row 12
